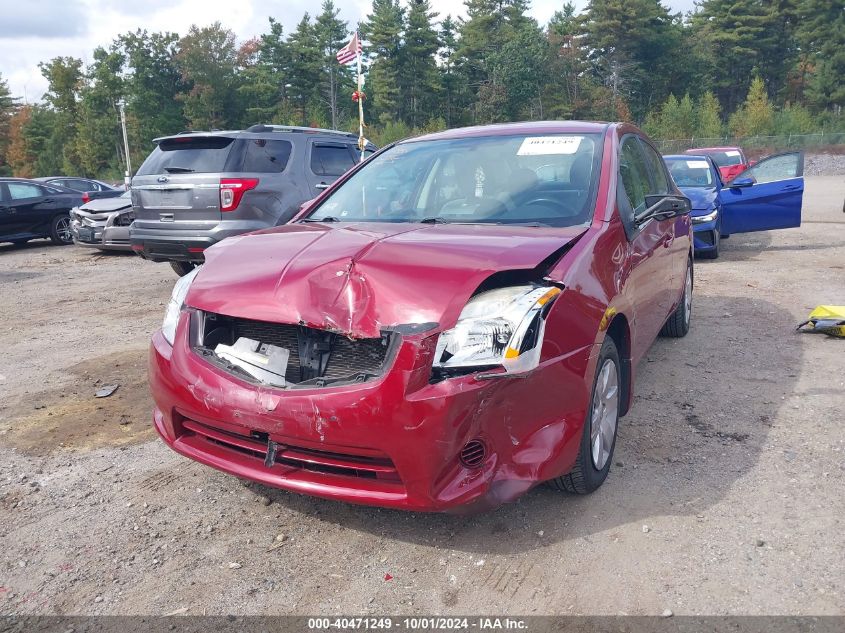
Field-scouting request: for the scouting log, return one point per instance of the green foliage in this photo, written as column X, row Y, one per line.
column 756, row 115
column 742, row 67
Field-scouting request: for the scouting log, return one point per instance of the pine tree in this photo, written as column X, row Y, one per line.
column 332, row 34
column 64, row 77
column 708, row 120
column 420, row 79
column 450, row 78
column 383, row 32
column 821, row 33
column 305, row 65
column 756, row 116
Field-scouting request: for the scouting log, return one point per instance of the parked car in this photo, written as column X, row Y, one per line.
column 31, row 210
column 196, row 189
column 95, row 189
column 454, row 321
column 731, row 161
column 766, row 196
column 104, row 223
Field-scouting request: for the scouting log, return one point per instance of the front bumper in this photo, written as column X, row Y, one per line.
column 704, row 235
column 103, row 235
column 404, row 433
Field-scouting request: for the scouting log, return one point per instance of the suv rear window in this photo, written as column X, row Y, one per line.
column 204, row 154
column 265, row 156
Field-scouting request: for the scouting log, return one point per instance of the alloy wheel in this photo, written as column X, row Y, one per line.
column 604, row 413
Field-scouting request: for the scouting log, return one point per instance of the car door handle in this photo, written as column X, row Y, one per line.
column 667, row 241
column 791, row 187
column 47, row 200
column 321, row 185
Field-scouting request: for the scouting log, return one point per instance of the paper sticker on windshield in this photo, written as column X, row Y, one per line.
column 545, row 145
column 732, row 152
column 697, row 164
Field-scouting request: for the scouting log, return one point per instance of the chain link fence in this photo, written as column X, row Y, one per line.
column 750, row 143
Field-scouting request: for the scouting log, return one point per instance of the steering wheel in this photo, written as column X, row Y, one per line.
column 548, row 202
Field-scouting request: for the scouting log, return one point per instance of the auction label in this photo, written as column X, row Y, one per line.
column 418, row 623
column 546, row 145
column 697, row 164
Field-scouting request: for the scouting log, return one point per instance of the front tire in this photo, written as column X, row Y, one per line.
column 677, row 325
column 60, row 230
column 598, row 438
column 182, row 268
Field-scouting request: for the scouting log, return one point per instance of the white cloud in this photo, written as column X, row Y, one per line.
column 43, row 29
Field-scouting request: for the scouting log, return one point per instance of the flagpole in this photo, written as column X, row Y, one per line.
column 361, row 142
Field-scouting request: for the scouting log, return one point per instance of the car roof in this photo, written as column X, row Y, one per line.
column 260, row 131
column 712, row 149
column 688, row 156
column 522, row 127
column 38, row 181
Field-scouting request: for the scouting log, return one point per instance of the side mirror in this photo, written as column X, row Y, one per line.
column 741, row 182
column 665, row 207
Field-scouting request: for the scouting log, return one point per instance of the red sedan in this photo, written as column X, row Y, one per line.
column 731, row 161
column 456, row 320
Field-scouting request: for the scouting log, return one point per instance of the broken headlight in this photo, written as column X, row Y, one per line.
column 497, row 327
column 174, row 307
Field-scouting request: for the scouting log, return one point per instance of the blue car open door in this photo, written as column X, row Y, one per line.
column 766, row 196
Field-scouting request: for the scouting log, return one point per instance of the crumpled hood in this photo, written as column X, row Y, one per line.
column 702, row 198
column 358, row 279
column 106, row 205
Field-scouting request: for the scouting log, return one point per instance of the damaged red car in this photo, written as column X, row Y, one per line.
column 456, row 320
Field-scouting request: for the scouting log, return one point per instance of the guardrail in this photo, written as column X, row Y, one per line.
column 769, row 143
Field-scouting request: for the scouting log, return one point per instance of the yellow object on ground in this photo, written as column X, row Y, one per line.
column 828, row 320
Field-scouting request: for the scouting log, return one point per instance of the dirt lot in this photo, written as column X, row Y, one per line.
column 726, row 495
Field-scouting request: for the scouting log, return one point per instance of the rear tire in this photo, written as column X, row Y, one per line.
column 60, row 230
column 598, row 439
column 182, row 268
column 677, row 325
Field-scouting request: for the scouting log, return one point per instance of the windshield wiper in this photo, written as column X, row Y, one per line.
column 178, row 170
column 328, row 218
column 433, row 221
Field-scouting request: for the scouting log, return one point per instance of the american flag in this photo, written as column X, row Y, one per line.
column 350, row 51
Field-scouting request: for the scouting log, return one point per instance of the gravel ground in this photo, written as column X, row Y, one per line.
column 824, row 164
column 725, row 496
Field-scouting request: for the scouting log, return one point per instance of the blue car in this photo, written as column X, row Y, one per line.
column 763, row 197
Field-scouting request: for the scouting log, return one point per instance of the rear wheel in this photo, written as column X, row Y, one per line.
column 60, row 230
column 182, row 268
column 598, row 438
column 677, row 325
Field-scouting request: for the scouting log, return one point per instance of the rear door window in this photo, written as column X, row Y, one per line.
column 658, row 170
column 187, row 154
column 266, row 156
column 24, row 190
column 330, row 160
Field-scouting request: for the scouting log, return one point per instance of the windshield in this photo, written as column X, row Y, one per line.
column 547, row 180
column 726, row 158
column 690, row 172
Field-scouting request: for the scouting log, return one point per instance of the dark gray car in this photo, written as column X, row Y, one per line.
column 198, row 188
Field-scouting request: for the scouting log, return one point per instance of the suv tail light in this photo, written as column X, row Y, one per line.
column 232, row 190
column 85, row 197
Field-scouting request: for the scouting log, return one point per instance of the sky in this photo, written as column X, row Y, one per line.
column 38, row 30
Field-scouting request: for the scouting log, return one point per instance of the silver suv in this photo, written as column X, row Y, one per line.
column 198, row 188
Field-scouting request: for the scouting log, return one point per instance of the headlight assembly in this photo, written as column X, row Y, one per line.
column 502, row 327
column 700, row 219
column 174, row 307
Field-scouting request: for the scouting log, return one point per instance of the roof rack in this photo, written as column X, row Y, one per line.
column 260, row 128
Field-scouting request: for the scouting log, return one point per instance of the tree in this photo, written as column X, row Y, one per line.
column 383, row 32
column 708, row 119
column 821, row 34
column 420, row 76
column 64, row 77
column 98, row 135
column 207, row 57
column 519, row 65
column 635, row 50
column 331, row 34
column 8, row 107
column 151, row 88
column 756, row 116
column 304, row 66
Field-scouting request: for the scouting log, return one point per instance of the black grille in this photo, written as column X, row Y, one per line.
column 344, row 357
column 473, row 454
